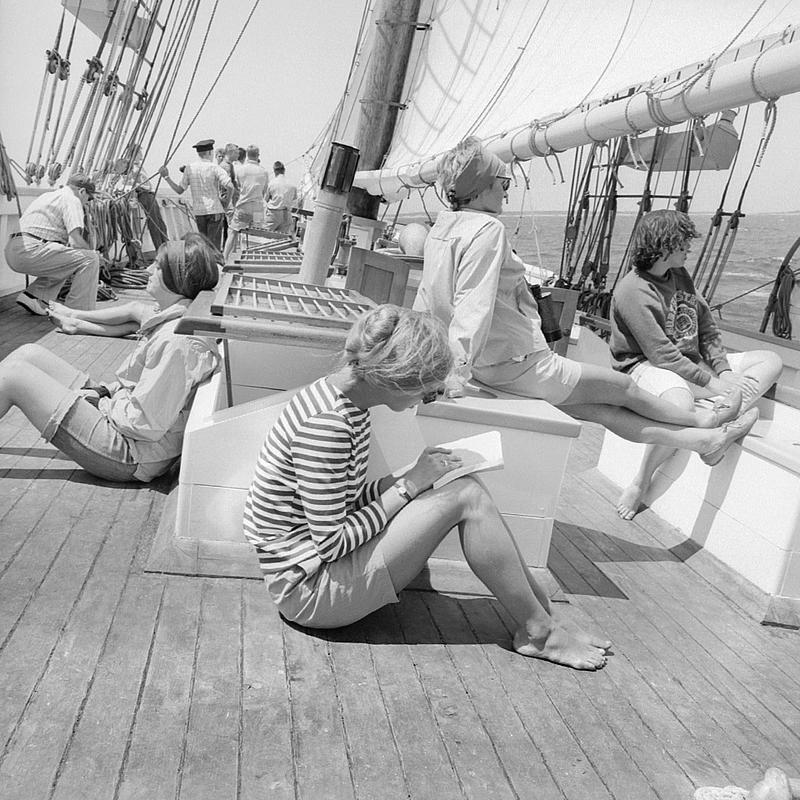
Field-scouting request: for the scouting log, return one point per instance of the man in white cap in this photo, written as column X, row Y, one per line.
column 211, row 187
column 281, row 198
column 55, row 242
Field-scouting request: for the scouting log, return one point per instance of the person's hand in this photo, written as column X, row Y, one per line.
column 164, row 171
column 431, row 465
column 91, row 396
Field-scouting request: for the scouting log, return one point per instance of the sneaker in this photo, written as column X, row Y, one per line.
column 33, row 305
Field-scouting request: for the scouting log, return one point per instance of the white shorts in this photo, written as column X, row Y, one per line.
column 657, row 380
column 544, row 375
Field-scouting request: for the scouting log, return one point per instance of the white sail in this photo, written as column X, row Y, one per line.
column 491, row 69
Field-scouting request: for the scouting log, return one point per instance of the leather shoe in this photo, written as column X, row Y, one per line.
column 733, row 431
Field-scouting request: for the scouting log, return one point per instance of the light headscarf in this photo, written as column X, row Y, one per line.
column 477, row 175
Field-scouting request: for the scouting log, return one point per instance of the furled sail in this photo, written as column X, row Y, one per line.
column 502, row 70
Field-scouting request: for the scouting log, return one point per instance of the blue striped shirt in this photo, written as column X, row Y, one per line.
column 309, row 501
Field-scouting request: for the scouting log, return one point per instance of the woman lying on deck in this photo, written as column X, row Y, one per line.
column 334, row 548
column 131, row 429
column 474, row 282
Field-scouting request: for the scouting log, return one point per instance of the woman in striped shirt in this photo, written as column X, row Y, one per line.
column 333, row 547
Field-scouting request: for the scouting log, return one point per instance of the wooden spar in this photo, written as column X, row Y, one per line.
column 382, row 97
column 769, row 75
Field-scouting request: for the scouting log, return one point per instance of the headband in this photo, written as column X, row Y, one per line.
column 478, row 174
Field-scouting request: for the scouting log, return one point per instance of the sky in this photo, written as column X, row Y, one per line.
column 284, row 80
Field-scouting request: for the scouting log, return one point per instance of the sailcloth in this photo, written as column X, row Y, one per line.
column 487, row 68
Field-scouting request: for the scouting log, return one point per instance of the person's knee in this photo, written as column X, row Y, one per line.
column 773, row 364
column 27, row 353
column 473, row 499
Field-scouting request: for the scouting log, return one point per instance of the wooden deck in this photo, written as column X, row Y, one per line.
column 117, row 683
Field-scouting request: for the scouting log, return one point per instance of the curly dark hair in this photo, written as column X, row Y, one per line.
column 658, row 235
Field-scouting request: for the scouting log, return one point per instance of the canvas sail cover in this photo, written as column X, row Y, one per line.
column 486, row 68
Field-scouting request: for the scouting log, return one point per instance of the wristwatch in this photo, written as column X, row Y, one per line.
column 406, row 489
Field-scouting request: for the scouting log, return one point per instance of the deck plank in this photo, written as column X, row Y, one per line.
column 266, row 741
column 722, row 630
column 374, row 761
column 522, row 762
column 90, row 767
column 211, row 765
column 153, row 763
column 34, row 625
column 474, row 760
column 319, row 744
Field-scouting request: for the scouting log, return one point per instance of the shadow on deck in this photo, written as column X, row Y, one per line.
column 118, row 683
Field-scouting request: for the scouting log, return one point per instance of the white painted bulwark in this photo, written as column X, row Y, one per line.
column 745, row 511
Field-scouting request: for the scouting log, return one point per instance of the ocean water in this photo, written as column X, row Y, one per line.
column 761, row 244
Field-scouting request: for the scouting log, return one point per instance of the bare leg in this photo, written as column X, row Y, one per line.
column 50, row 364
column 654, row 457
column 598, row 385
column 230, row 243
column 36, row 393
column 763, row 365
column 74, row 325
column 412, row 535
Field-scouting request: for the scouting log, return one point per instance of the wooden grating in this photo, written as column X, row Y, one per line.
column 270, row 298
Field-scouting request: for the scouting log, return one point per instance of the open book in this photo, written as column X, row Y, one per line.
column 479, row 453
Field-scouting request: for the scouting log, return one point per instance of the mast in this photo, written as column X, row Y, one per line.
column 382, row 98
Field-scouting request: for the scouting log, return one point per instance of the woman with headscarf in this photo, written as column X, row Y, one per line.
column 475, row 283
column 131, row 429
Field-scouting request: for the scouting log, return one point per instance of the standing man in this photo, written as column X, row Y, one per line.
column 147, row 200
column 249, row 209
column 281, row 198
column 56, row 242
column 210, row 186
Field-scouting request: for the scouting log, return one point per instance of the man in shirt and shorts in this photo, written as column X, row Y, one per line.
column 54, row 243
column 281, row 198
column 210, row 187
column 253, row 183
column 664, row 337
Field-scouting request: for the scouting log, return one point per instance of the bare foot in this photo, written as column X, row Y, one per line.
column 64, row 322
column 561, row 647
column 628, row 503
column 60, row 309
column 587, row 637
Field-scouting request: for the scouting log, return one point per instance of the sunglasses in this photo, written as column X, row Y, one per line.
column 433, row 396
column 504, row 182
